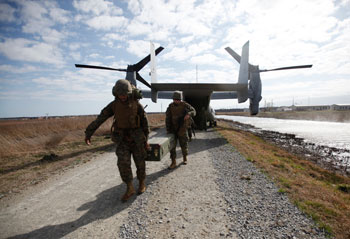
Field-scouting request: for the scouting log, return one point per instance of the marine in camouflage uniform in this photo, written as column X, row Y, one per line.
column 130, row 133
column 178, row 119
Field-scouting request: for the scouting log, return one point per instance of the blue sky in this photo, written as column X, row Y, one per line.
column 40, row 41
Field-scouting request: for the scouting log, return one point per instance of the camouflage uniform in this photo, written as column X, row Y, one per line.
column 130, row 133
column 128, row 141
column 174, row 115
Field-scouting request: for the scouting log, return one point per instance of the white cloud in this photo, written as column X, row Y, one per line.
column 74, row 46
column 139, row 48
column 59, row 15
column 94, row 55
column 107, row 22
column 97, row 7
column 177, row 54
column 7, row 13
column 17, row 69
column 206, row 59
column 21, row 49
column 34, row 16
column 113, row 38
column 52, row 36
column 75, row 55
column 105, row 15
column 136, row 28
column 134, row 6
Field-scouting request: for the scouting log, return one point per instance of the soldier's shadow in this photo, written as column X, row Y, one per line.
column 107, row 204
column 199, row 145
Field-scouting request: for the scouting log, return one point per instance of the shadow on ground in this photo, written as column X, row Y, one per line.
column 106, row 205
column 53, row 157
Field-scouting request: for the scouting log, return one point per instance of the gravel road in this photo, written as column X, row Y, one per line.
column 218, row 194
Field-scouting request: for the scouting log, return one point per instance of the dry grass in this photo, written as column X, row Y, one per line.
column 23, row 137
column 314, row 190
column 32, row 150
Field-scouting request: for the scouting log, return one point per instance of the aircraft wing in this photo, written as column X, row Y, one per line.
column 165, row 90
column 198, row 87
column 223, row 95
column 161, row 95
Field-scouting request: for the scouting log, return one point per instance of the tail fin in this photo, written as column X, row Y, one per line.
column 243, row 76
column 244, row 65
column 153, row 64
column 154, row 93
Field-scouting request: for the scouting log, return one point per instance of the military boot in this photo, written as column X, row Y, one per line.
column 173, row 164
column 185, row 159
column 129, row 191
column 142, row 186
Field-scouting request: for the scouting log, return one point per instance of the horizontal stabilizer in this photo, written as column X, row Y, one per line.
column 233, row 54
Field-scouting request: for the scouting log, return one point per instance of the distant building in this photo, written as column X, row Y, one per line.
column 340, row 107
column 312, row 107
column 293, row 108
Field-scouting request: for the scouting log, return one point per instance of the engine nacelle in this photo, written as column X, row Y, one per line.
column 254, row 92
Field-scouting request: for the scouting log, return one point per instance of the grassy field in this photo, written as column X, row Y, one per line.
column 32, row 150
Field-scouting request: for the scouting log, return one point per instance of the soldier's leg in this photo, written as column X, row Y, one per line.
column 183, row 141
column 189, row 131
column 139, row 156
column 124, row 166
column 173, row 155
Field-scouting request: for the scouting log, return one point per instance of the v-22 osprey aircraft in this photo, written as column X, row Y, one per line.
column 199, row 94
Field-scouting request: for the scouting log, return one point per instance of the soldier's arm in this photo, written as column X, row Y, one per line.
column 102, row 117
column 143, row 121
column 190, row 110
column 168, row 119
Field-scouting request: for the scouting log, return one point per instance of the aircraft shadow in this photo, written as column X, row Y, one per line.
column 107, row 204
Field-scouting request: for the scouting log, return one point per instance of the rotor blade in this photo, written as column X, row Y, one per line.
column 138, row 66
column 139, row 78
column 98, row 67
column 288, row 68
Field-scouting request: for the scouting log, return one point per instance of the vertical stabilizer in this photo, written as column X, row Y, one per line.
column 244, row 73
column 244, row 66
column 154, row 93
column 153, row 64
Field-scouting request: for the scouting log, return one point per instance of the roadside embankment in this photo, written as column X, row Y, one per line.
column 320, row 193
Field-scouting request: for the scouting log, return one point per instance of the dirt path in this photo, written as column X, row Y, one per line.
column 193, row 201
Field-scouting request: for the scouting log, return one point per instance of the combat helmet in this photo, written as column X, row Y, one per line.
column 122, row 87
column 177, row 95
